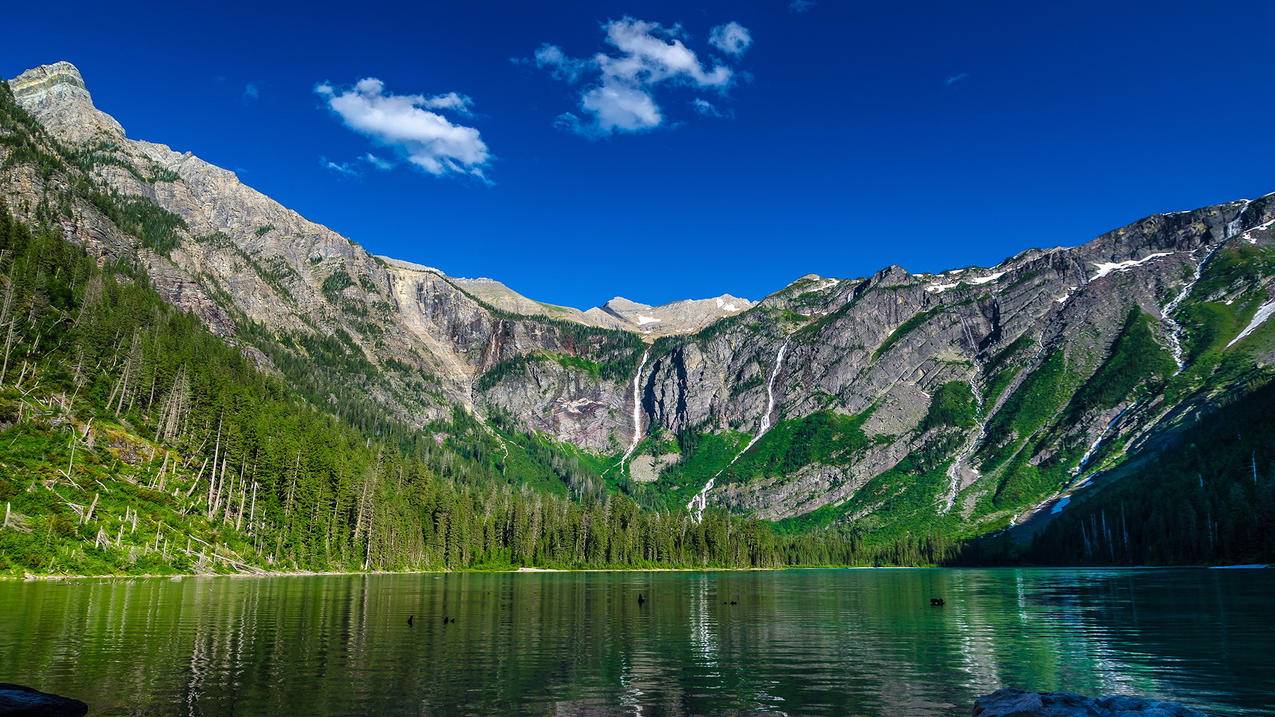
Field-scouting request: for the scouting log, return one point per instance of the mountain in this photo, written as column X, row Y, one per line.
column 136, row 442
column 896, row 404
column 673, row 319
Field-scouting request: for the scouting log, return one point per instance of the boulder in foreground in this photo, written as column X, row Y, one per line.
column 19, row 701
column 1018, row 703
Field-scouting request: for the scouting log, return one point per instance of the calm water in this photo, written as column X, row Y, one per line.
column 799, row 642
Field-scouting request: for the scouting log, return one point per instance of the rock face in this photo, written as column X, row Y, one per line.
column 20, row 701
column 1017, row 703
column 244, row 261
column 973, row 396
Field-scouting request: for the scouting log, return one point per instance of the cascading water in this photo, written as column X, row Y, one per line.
column 954, row 470
column 637, row 409
column 700, row 501
column 1173, row 329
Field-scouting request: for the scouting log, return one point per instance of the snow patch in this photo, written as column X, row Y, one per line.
column 1263, row 313
column 1248, row 234
column 643, row 320
column 987, row 279
column 1105, row 268
column 940, row 288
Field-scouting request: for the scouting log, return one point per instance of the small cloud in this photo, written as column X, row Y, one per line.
column 551, row 57
column 800, row 6
column 411, row 126
column 341, row 168
column 251, row 93
column 451, row 101
column 706, row 108
column 619, row 86
column 731, row 38
column 955, row 79
column 377, row 162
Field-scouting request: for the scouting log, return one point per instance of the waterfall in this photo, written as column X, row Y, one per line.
column 954, row 470
column 637, row 408
column 1173, row 328
column 700, row 501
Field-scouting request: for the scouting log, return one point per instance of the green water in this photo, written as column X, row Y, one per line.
column 861, row 642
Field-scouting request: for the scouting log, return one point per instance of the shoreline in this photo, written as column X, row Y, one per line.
column 528, row 570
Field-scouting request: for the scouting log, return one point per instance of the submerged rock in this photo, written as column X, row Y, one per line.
column 19, row 700
column 1018, row 703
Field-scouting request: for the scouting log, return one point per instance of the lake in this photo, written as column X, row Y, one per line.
column 863, row 642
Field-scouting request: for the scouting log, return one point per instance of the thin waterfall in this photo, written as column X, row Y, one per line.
column 637, row 408
column 700, row 501
column 1173, row 328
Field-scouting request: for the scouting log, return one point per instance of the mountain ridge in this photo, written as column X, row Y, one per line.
column 960, row 401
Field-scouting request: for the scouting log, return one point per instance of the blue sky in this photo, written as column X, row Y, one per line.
column 841, row 137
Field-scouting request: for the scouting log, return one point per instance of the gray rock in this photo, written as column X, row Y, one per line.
column 21, row 701
column 1018, row 703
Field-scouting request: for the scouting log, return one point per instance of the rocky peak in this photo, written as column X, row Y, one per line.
column 892, row 274
column 57, row 96
column 678, row 317
column 44, row 76
column 621, row 305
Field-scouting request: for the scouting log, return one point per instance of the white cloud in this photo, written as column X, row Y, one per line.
column 706, row 108
column 375, row 161
column 955, row 79
column 618, row 107
column 800, row 6
column 451, row 101
column 731, row 38
column 251, row 92
column 552, row 57
column 407, row 124
column 620, row 94
column 340, row 168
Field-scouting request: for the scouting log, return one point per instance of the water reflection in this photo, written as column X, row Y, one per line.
column 800, row 642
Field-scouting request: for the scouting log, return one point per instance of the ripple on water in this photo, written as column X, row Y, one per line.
column 795, row 642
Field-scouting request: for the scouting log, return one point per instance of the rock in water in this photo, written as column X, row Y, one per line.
column 1018, row 703
column 17, row 700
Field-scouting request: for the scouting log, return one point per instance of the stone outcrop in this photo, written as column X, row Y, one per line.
column 20, row 701
column 1017, row 703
